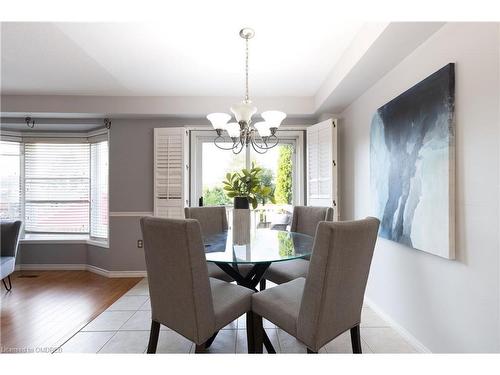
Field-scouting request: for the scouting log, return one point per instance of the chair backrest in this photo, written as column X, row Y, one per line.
column 9, row 234
column 305, row 219
column 212, row 219
column 179, row 287
column 336, row 281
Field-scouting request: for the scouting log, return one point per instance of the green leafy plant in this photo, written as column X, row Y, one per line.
column 284, row 175
column 248, row 184
column 215, row 197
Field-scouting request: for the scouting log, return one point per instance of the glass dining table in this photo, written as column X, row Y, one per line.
column 258, row 248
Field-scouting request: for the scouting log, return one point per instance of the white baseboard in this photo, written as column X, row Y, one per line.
column 79, row 267
column 400, row 329
column 116, row 274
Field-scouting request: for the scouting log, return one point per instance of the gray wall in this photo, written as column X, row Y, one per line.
column 449, row 306
column 52, row 254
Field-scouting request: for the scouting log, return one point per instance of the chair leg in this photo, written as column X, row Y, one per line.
column 258, row 333
column 210, row 340
column 356, row 340
column 5, row 285
column 199, row 348
column 153, row 337
column 309, row 351
column 262, row 284
column 250, row 333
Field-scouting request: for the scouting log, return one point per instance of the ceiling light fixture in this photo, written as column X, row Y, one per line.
column 261, row 135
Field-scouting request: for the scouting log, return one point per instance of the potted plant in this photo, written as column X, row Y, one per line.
column 246, row 188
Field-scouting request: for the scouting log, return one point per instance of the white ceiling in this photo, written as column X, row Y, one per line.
column 187, row 55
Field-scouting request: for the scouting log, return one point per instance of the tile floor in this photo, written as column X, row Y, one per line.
column 124, row 328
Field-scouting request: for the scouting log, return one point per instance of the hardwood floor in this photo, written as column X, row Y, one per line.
column 45, row 308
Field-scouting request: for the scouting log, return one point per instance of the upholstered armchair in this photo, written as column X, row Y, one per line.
column 10, row 233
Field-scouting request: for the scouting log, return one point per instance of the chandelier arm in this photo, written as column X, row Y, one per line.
column 267, row 147
column 224, row 141
column 257, row 148
column 276, row 141
column 241, row 148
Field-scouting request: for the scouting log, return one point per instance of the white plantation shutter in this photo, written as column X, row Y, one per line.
column 169, row 172
column 57, row 187
column 99, row 189
column 322, row 176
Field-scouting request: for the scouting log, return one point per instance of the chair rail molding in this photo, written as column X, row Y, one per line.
column 130, row 213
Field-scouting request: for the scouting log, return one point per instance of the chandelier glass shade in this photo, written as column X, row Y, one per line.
column 242, row 133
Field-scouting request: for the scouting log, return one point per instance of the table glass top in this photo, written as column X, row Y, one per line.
column 258, row 246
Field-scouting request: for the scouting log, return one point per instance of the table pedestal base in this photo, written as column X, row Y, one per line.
column 250, row 281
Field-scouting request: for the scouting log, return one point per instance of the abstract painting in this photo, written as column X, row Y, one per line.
column 412, row 145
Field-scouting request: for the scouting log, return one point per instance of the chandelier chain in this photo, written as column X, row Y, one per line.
column 246, row 71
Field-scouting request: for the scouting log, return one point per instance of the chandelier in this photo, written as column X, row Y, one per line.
column 242, row 133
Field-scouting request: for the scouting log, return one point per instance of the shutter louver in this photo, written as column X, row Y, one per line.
column 322, row 165
column 169, row 172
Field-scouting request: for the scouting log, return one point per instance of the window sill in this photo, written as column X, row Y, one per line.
column 30, row 238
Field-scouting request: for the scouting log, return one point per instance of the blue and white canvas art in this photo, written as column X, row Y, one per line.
column 412, row 165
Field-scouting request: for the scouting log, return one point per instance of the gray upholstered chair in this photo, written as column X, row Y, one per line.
column 212, row 220
column 10, row 233
column 183, row 297
column 328, row 302
column 304, row 220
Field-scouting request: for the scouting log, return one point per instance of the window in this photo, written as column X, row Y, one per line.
column 57, row 192
column 282, row 168
column 99, row 189
column 56, row 186
column 215, row 164
column 10, row 180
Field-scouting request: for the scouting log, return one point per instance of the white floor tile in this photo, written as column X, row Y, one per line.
column 290, row 344
column 385, row 340
column 140, row 321
column 128, row 303
column 138, row 290
column 370, row 318
column 146, row 305
column 87, row 342
column 242, row 323
column 172, row 342
column 225, row 342
column 127, row 342
column 342, row 344
column 109, row 321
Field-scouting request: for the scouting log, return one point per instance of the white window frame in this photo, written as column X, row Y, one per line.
column 49, row 238
column 286, row 135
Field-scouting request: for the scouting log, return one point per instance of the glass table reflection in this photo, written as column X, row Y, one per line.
column 260, row 246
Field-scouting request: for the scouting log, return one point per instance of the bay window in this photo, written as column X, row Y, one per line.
column 56, row 186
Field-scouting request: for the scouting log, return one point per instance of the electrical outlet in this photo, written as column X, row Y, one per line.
column 139, row 244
